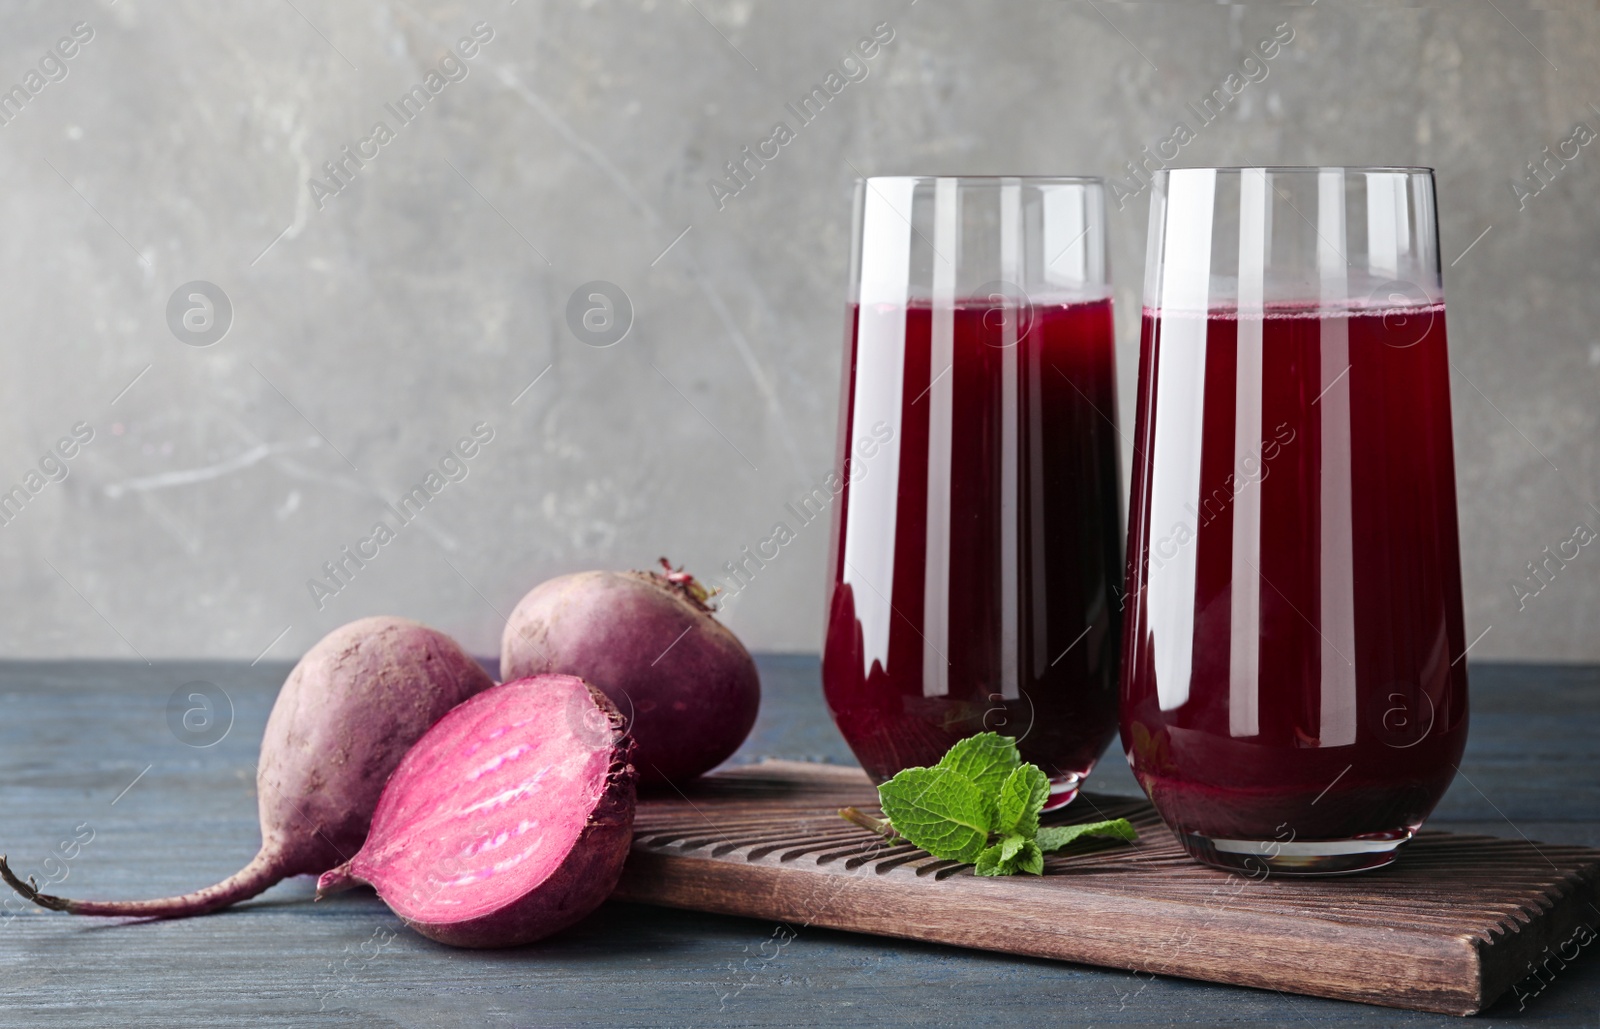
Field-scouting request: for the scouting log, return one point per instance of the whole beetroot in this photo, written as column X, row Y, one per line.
column 649, row 641
column 347, row 714
column 508, row 821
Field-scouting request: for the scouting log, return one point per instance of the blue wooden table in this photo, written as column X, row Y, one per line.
column 87, row 752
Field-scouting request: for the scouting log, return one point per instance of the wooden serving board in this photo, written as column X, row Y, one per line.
column 1448, row 927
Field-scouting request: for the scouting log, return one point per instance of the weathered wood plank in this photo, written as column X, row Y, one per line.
column 73, row 735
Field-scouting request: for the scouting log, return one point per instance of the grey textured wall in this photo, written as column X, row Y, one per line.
column 373, row 326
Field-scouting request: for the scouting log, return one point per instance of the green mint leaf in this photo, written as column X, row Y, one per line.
column 1053, row 837
column 1002, row 858
column 1022, row 797
column 989, row 863
column 980, row 805
column 986, row 759
column 939, row 810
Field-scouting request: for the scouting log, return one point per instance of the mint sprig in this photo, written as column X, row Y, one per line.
column 980, row 805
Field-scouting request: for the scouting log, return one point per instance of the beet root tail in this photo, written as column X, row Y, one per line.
column 262, row 872
column 30, row 889
column 336, row 880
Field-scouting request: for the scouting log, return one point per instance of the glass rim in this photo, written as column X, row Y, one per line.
column 988, row 180
column 1304, row 169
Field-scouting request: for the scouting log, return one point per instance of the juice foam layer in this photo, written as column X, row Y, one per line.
column 1059, row 299
column 1301, row 310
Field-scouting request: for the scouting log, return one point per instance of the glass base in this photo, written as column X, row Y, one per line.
column 1261, row 858
column 1063, row 791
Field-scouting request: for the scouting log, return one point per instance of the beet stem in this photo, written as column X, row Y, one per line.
column 686, row 586
column 262, row 872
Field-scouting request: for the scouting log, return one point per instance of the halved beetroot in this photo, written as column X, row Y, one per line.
column 508, row 821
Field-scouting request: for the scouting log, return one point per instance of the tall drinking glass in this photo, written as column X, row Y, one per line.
column 1294, row 694
column 976, row 538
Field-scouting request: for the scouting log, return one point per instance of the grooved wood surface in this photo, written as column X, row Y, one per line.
column 1448, row 927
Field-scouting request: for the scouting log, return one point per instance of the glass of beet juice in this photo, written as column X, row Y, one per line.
column 1294, row 689
column 976, row 534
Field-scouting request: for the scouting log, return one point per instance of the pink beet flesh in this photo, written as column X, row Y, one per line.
column 508, row 821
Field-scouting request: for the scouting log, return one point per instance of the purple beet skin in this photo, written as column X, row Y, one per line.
column 345, row 717
column 508, row 821
column 649, row 641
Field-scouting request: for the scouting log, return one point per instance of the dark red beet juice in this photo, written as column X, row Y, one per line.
column 1293, row 662
column 975, row 552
